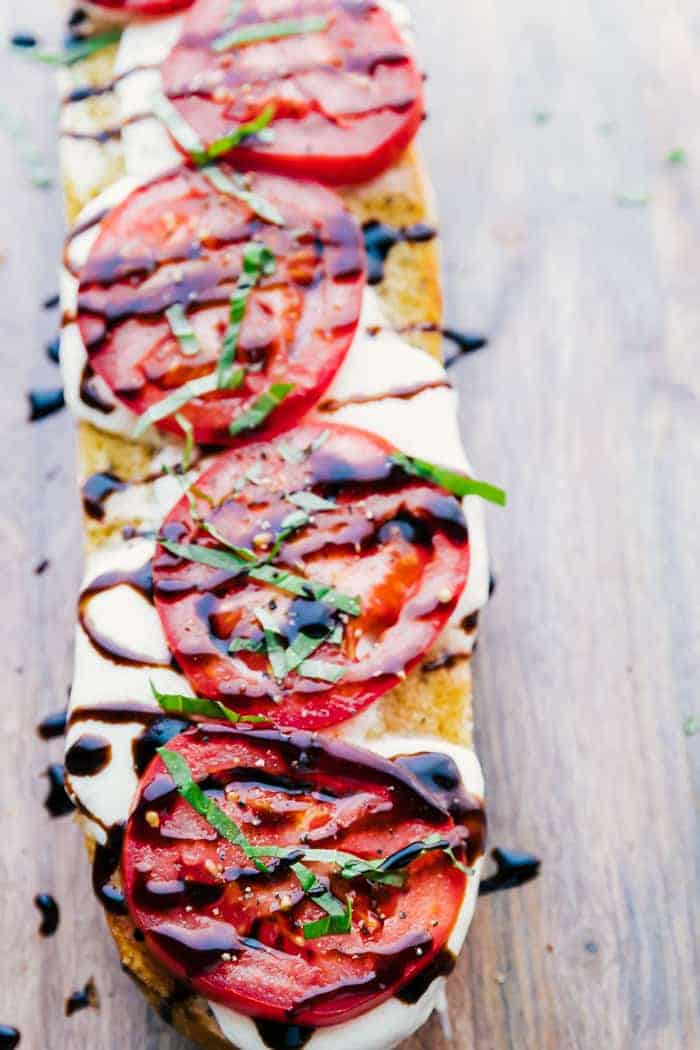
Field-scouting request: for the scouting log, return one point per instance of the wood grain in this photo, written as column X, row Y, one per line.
column 586, row 407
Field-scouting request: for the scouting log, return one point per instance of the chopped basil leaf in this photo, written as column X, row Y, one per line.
column 211, row 556
column 244, row 553
column 310, row 501
column 234, row 187
column 458, row 484
column 302, row 647
column 175, row 703
column 677, row 156
column 182, row 329
column 183, row 133
column 243, row 131
column 188, row 430
column 336, row 635
column 332, row 923
column 257, row 261
column 261, row 408
column 181, row 396
column 257, row 31
column 321, row 670
column 239, row 562
column 246, row 645
column 273, row 644
column 181, row 773
column 76, row 50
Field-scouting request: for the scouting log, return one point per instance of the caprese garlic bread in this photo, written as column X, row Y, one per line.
column 269, row 736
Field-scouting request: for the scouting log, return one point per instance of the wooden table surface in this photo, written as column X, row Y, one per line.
column 574, row 243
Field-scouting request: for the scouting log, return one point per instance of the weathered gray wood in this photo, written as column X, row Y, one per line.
column 586, row 407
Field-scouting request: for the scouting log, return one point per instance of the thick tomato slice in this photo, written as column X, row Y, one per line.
column 347, row 97
column 391, row 550
column 179, row 241
column 238, row 934
column 139, row 8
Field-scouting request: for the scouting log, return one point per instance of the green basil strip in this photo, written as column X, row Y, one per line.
column 76, row 51
column 273, row 643
column 244, row 553
column 338, row 916
column 458, row 484
column 182, row 329
column 321, row 670
column 234, row 188
column 177, row 704
column 183, row 133
column 286, row 581
column 246, row 645
column 181, row 774
column 182, row 396
column 257, row 262
column 302, row 648
column 243, row 131
column 257, row 31
column 261, row 408
column 188, row 430
column 310, row 502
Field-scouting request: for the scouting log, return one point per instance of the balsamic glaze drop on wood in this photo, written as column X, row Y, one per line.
column 53, row 725
column 88, row 755
column 51, row 302
column 96, row 490
column 9, row 1037
column 280, row 1036
column 49, row 914
column 466, row 343
column 513, row 869
column 23, row 40
column 380, row 238
column 41, row 568
column 57, row 801
column 44, row 403
column 87, row 996
column 53, row 350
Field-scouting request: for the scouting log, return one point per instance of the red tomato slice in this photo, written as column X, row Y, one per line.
column 393, row 546
column 348, row 98
column 180, row 240
column 236, row 934
column 138, row 8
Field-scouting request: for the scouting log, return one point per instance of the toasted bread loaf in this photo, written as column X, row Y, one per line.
column 434, row 699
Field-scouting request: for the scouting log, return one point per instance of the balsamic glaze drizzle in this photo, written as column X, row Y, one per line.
column 513, row 869
column 9, row 1037
column 96, row 490
column 57, row 801
column 466, row 343
column 80, row 1000
column 279, row 1036
column 380, row 238
column 49, row 914
column 53, row 725
column 44, row 403
column 105, row 865
column 88, row 755
column 51, row 302
column 53, row 350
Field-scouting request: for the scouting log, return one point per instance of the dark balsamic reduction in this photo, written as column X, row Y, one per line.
column 57, row 801
column 96, row 490
column 41, row 568
column 49, row 914
column 105, row 865
column 23, row 40
column 513, row 869
column 53, row 725
column 80, row 1000
column 44, row 403
column 88, row 755
column 160, row 733
column 466, row 343
column 90, row 393
column 380, row 238
column 51, row 302
column 53, row 350
column 9, row 1037
column 443, row 661
column 441, row 966
column 279, row 1036
column 141, row 580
